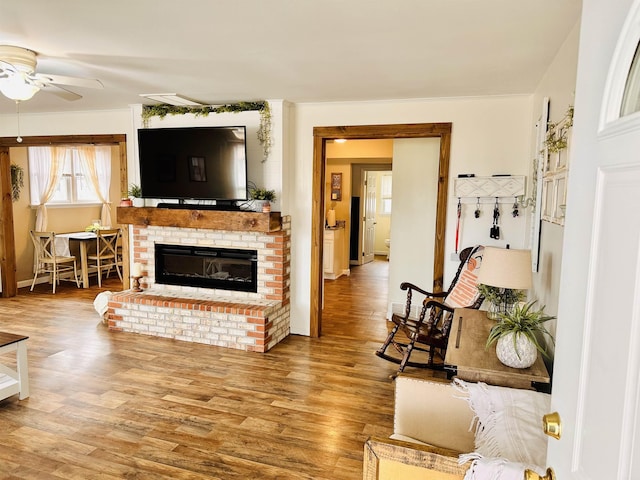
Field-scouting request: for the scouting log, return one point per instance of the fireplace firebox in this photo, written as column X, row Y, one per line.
column 208, row 267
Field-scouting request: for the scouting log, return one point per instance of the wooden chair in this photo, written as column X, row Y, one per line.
column 106, row 256
column 426, row 327
column 48, row 262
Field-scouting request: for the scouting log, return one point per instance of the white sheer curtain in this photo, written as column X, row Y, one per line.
column 95, row 163
column 46, row 165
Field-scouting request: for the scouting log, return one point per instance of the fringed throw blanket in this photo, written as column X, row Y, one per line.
column 508, row 431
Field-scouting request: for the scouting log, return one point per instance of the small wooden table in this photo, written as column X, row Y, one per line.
column 468, row 359
column 83, row 238
column 14, row 381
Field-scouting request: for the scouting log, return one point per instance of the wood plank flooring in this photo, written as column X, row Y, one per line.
column 113, row 405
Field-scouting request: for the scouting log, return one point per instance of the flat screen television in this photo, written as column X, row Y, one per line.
column 199, row 163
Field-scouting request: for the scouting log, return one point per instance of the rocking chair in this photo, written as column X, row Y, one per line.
column 428, row 329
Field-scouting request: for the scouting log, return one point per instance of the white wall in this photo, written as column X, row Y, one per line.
column 415, row 196
column 71, row 123
column 558, row 84
column 490, row 135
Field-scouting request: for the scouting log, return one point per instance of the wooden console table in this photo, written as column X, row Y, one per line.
column 14, row 381
column 468, row 359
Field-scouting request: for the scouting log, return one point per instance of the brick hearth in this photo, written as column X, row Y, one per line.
column 241, row 320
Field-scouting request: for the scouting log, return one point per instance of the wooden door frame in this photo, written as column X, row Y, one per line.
column 7, row 235
column 363, row 132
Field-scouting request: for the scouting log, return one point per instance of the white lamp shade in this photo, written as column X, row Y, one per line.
column 506, row 268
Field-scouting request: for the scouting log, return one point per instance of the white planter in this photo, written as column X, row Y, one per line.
column 259, row 205
column 526, row 354
column 138, row 202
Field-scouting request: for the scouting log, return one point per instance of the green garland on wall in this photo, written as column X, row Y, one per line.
column 264, row 131
column 557, row 133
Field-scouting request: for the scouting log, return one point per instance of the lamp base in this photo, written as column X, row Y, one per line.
column 496, row 309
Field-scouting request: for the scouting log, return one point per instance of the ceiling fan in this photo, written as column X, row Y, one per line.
column 19, row 80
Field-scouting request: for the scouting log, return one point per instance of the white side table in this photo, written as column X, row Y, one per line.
column 14, row 381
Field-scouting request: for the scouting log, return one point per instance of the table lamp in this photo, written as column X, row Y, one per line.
column 509, row 272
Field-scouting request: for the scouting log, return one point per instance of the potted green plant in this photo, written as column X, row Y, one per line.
column 262, row 198
column 516, row 335
column 500, row 300
column 135, row 193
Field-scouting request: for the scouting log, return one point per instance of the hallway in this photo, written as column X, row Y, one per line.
column 355, row 306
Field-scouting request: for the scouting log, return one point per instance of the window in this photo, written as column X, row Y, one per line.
column 385, row 194
column 73, row 186
column 631, row 98
column 59, row 175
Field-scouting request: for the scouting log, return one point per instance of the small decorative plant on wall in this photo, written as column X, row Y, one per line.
column 264, row 131
column 17, row 181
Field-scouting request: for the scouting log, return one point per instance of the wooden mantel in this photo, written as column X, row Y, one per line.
column 209, row 219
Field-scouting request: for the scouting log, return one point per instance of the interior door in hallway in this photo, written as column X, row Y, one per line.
column 369, row 236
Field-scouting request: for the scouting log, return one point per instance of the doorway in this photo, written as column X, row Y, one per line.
column 324, row 134
column 365, row 214
column 7, row 234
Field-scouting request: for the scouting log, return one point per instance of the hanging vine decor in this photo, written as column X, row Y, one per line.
column 556, row 139
column 264, row 131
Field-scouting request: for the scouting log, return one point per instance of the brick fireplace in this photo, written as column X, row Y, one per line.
column 245, row 320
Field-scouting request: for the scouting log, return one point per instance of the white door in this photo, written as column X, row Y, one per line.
column 596, row 386
column 369, row 231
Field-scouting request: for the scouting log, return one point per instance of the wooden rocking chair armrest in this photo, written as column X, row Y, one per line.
column 419, row 324
column 423, row 325
column 430, row 303
column 411, row 286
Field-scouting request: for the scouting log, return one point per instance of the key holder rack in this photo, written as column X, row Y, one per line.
column 471, row 189
column 494, row 190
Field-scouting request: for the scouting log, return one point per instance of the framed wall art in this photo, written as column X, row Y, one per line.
column 336, row 187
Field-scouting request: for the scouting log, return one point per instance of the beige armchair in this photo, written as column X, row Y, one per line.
column 430, row 430
column 433, row 425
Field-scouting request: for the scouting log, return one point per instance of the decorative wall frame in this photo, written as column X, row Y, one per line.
column 336, row 187
column 557, row 148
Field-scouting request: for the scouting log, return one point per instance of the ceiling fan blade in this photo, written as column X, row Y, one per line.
column 64, row 80
column 61, row 92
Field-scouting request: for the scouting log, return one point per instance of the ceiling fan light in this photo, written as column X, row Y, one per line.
column 17, row 88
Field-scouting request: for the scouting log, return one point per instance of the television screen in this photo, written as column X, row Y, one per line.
column 202, row 163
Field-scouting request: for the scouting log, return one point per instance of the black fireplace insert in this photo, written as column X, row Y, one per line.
column 208, row 267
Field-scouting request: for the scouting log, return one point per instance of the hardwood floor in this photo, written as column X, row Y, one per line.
column 112, row 405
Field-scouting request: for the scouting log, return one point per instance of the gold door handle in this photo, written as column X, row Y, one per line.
column 552, row 425
column 531, row 475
